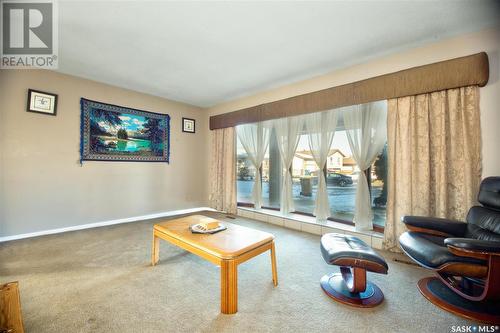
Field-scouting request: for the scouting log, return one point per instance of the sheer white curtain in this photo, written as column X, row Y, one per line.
column 366, row 128
column 287, row 135
column 255, row 139
column 321, row 129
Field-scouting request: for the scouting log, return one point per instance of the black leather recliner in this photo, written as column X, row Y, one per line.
column 466, row 257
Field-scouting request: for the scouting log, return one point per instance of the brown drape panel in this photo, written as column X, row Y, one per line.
column 434, row 143
column 222, row 175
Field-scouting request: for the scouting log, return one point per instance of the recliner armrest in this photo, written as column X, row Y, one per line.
column 435, row 225
column 474, row 245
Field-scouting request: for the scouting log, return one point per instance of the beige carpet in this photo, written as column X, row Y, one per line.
column 100, row 280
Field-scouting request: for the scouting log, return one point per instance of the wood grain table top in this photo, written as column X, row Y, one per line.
column 227, row 244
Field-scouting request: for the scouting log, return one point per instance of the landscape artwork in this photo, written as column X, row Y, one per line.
column 116, row 133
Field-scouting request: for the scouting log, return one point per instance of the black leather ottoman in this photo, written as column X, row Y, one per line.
column 354, row 257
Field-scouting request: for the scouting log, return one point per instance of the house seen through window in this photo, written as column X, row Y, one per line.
column 341, row 176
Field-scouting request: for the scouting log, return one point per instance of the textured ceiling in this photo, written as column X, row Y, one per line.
column 204, row 53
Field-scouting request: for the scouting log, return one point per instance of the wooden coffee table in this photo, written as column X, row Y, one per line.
column 226, row 249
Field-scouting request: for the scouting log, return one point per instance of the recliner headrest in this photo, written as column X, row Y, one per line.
column 489, row 193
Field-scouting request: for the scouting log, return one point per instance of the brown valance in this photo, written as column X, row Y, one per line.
column 454, row 73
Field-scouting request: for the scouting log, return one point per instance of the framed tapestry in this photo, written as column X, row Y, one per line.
column 116, row 133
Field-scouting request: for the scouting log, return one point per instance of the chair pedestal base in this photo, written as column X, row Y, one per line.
column 335, row 287
column 442, row 296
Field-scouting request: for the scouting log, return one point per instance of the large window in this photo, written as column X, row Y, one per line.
column 341, row 177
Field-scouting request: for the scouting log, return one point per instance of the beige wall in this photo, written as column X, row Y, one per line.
column 488, row 40
column 42, row 184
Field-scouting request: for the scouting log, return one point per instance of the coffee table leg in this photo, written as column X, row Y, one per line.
column 155, row 251
column 228, row 287
column 273, row 264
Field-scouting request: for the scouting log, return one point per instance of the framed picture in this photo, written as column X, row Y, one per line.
column 117, row 133
column 188, row 125
column 42, row 102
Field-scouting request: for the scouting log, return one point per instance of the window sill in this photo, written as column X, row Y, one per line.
column 309, row 224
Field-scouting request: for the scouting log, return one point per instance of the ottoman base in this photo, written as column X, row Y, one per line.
column 442, row 296
column 336, row 287
column 354, row 258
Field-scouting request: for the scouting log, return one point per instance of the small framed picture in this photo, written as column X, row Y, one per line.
column 42, row 102
column 188, row 125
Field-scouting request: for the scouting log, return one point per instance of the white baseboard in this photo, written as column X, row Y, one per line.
column 104, row 223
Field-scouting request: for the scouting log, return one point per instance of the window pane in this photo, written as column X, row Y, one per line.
column 271, row 174
column 379, row 188
column 245, row 176
column 305, row 177
column 341, row 178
